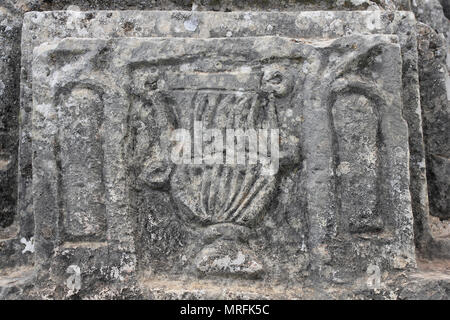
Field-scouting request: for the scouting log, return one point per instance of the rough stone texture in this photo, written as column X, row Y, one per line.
column 435, row 91
column 436, row 118
column 23, row 226
column 224, row 221
column 446, row 7
column 10, row 27
column 337, row 217
column 430, row 284
column 16, row 282
column 440, row 228
column 214, row 5
column 431, row 13
column 10, row 245
column 345, row 157
column 304, row 25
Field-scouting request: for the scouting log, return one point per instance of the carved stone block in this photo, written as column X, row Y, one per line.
column 104, row 116
column 40, row 27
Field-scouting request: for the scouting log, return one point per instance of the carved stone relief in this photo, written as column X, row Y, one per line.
column 123, row 101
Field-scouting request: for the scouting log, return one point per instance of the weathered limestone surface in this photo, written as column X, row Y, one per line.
column 434, row 101
column 201, row 24
column 342, row 221
column 432, row 53
column 9, row 82
column 214, row 5
column 100, row 202
column 431, row 13
column 88, row 79
column 434, row 35
column 446, row 7
column 10, row 246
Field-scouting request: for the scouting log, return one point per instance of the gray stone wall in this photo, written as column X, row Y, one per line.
column 359, row 90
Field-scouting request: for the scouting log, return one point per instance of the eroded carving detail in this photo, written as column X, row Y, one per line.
column 225, row 201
